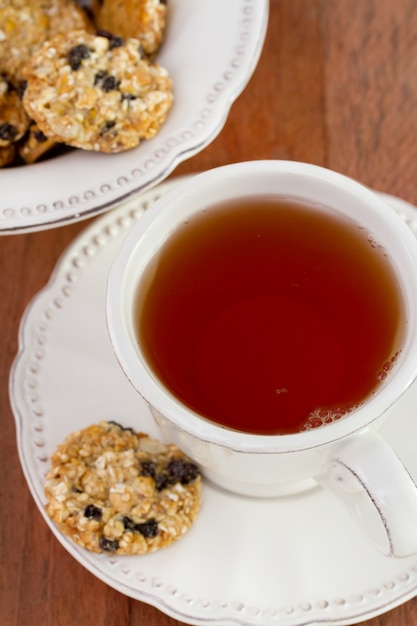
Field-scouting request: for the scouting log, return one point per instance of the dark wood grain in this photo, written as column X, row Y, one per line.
column 336, row 85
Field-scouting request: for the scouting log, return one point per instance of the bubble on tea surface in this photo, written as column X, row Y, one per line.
column 374, row 243
column 387, row 367
column 324, row 417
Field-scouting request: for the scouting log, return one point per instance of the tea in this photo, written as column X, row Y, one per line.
column 269, row 316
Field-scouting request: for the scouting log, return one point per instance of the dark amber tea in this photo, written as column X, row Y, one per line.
column 268, row 316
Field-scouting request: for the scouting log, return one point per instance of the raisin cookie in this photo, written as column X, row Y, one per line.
column 26, row 24
column 142, row 19
column 96, row 92
column 7, row 154
column 113, row 490
column 34, row 145
column 13, row 118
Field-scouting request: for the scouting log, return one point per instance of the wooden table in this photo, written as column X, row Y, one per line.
column 336, row 85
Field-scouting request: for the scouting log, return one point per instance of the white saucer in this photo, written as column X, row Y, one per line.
column 288, row 562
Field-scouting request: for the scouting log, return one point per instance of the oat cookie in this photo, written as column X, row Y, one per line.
column 113, row 490
column 142, row 19
column 34, row 145
column 7, row 154
column 13, row 118
column 26, row 24
column 96, row 92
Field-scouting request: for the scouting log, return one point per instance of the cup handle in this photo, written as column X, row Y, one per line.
column 373, row 484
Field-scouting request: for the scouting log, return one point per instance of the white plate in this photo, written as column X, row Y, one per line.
column 287, row 562
column 211, row 50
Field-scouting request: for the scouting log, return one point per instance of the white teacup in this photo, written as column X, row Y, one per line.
column 346, row 456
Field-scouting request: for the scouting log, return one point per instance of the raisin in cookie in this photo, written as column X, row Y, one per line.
column 96, row 92
column 26, row 24
column 142, row 19
column 113, row 490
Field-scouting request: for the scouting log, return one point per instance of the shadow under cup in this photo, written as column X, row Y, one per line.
column 189, row 320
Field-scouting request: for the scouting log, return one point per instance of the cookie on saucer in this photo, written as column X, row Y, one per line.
column 113, row 490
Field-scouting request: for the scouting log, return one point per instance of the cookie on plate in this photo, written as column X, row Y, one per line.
column 26, row 24
column 142, row 19
column 14, row 120
column 113, row 490
column 7, row 154
column 34, row 145
column 96, row 92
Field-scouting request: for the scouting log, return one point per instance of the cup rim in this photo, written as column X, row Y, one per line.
column 164, row 402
